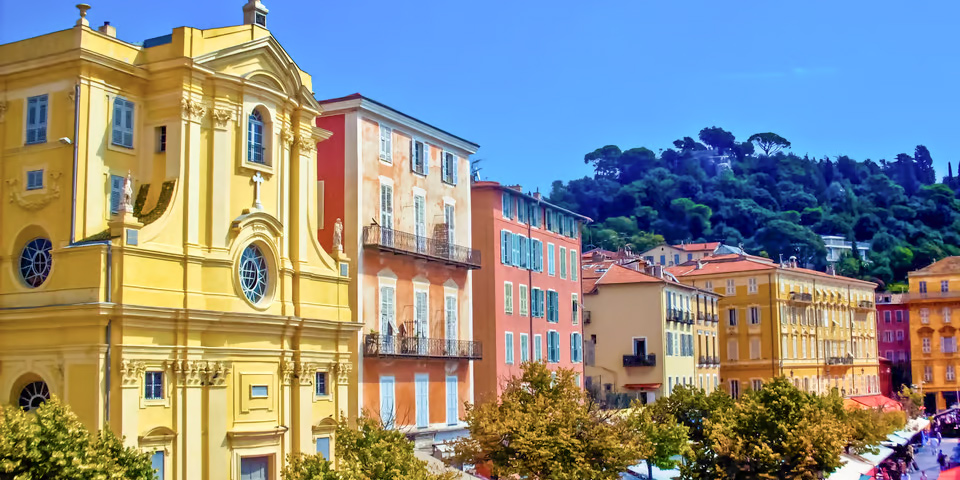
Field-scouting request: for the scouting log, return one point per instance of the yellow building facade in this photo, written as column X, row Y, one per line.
column 646, row 334
column 781, row 320
column 160, row 271
column 932, row 299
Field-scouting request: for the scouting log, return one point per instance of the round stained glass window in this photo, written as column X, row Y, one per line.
column 253, row 273
column 35, row 261
column 33, row 395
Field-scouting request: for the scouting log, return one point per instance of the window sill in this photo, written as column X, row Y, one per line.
column 257, row 167
column 386, row 162
column 322, row 398
column 447, row 183
column 122, row 149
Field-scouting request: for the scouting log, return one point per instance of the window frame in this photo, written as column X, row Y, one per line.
column 508, row 349
column 39, row 127
column 32, row 176
column 385, row 150
column 316, row 384
column 508, row 298
column 149, row 396
column 127, row 109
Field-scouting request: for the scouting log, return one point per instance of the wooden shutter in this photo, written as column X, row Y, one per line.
column 386, row 309
column 116, row 192
column 422, row 393
column 453, row 403
column 387, row 404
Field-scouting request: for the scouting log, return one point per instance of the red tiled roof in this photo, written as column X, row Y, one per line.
column 873, row 401
column 589, row 284
column 698, row 247
column 641, row 386
column 715, row 268
column 617, row 275
column 946, row 265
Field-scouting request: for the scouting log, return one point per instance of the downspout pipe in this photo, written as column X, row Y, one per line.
column 76, row 156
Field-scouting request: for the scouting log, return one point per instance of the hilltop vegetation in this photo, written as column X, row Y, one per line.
column 773, row 202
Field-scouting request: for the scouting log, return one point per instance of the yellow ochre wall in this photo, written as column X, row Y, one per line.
column 158, row 289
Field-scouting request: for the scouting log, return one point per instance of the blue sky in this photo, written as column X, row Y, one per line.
column 538, row 84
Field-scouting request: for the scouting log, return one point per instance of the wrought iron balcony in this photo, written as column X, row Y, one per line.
column 709, row 361
column 865, row 304
column 428, row 248
column 801, row 297
column 640, row 360
column 848, row 360
column 417, row 347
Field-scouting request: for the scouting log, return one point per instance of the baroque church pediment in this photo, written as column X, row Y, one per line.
column 262, row 62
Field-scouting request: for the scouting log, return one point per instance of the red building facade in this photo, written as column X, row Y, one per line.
column 527, row 296
column 893, row 330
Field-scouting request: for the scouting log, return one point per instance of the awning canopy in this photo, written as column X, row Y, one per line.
column 873, row 401
column 642, row 386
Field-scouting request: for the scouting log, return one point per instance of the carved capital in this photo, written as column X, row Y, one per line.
column 343, row 373
column 191, row 109
column 217, row 373
column 307, row 145
column 287, row 370
column 287, row 137
column 221, row 116
column 132, row 371
column 306, row 371
column 189, row 373
column 3, row 110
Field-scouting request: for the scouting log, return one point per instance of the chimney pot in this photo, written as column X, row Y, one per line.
column 108, row 30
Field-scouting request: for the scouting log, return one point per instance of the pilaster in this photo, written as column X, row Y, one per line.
column 217, row 376
column 222, row 117
column 189, row 376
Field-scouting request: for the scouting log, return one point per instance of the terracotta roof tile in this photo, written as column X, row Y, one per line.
column 697, row 247
column 617, row 274
column 946, row 265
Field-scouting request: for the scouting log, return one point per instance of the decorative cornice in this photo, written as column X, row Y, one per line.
column 192, row 110
column 132, row 371
column 189, row 373
column 217, row 373
column 305, row 372
column 38, row 200
column 221, row 116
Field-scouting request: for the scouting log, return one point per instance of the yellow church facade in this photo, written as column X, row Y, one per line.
column 159, row 264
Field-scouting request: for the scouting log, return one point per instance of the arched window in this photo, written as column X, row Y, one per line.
column 255, row 143
column 33, row 395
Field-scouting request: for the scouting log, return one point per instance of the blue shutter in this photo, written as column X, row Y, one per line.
column 156, row 462
column 37, row 119
column 422, row 393
column 443, row 166
column 116, row 192
column 128, row 124
column 323, row 447
column 453, row 162
column 504, row 242
column 669, row 343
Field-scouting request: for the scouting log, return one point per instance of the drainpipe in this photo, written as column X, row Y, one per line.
column 76, row 155
column 109, row 329
column 773, row 328
column 530, row 281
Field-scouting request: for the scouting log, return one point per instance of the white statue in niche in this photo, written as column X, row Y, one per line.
column 126, row 200
column 338, row 236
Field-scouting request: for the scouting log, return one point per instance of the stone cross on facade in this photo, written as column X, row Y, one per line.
column 257, row 180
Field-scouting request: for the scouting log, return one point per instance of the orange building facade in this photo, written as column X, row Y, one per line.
column 396, row 203
column 527, row 297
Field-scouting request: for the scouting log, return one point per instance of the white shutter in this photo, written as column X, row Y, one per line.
column 453, row 402
column 450, row 218
column 420, row 309
column 386, row 310
column 538, row 347
column 422, row 393
column 426, row 158
column 443, row 166
column 386, row 146
column 420, row 222
column 453, row 162
column 451, row 321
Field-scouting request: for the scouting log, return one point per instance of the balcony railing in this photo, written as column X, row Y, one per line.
column 709, row 360
column 417, row 347
column 865, row 304
column 848, row 360
column 801, row 297
column 419, row 246
column 639, row 360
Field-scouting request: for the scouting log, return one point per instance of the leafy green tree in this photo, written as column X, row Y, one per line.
column 769, row 142
column 543, row 427
column 366, row 451
column 51, row 443
column 661, row 439
column 718, row 138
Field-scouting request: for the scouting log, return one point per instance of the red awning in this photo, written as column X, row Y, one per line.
column 642, row 386
column 874, row 401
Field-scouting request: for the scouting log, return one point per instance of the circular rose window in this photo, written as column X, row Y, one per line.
column 253, row 273
column 35, row 262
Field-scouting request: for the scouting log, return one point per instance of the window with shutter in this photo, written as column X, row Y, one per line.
column 563, row 263
column 506, row 205
column 37, row 119
column 386, row 213
column 505, row 247
column 116, row 192
column 516, row 250
column 508, row 347
column 537, row 347
column 418, row 157
column 449, row 168
column 386, row 144
column 420, row 222
column 551, row 260
column 123, row 122
column 35, row 179
column 524, row 348
column 574, row 309
column 524, row 300
column 670, row 343
column 508, row 298
column 450, row 218
column 574, row 268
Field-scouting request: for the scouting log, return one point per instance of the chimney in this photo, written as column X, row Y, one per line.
column 108, row 30
column 699, row 264
column 254, row 13
column 537, row 195
column 518, row 188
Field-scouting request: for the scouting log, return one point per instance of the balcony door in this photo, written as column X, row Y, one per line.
column 420, row 222
column 450, row 321
column 640, row 346
column 387, row 318
column 422, row 394
column 386, row 214
column 448, row 218
column 388, row 410
column 453, row 402
column 420, row 321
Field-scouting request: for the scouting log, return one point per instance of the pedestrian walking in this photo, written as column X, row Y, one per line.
column 939, row 438
column 923, row 475
column 942, row 460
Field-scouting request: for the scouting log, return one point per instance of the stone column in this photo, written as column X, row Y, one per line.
column 189, row 413
column 287, row 401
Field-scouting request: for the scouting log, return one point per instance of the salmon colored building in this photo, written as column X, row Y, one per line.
column 396, row 211
column 527, row 297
